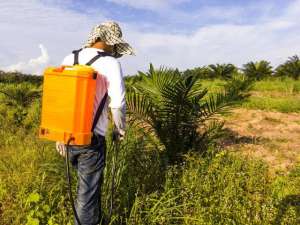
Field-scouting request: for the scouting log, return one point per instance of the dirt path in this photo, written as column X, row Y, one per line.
column 271, row 136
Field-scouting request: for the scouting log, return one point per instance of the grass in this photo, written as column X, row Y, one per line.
column 222, row 190
column 219, row 188
column 281, row 104
column 283, row 85
column 273, row 94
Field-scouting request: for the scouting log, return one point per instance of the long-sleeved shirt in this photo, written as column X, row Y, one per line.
column 110, row 80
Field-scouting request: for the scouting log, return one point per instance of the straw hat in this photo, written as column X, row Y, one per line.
column 110, row 33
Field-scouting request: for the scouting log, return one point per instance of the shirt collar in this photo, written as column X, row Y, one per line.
column 95, row 49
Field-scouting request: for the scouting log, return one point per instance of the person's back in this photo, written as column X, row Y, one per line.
column 110, row 79
column 100, row 51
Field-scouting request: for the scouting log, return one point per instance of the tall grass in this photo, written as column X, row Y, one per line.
column 213, row 189
column 271, row 94
column 216, row 189
column 284, row 85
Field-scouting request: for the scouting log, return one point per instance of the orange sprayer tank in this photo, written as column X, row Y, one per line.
column 67, row 104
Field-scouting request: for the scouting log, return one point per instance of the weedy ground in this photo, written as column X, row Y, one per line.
column 255, row 179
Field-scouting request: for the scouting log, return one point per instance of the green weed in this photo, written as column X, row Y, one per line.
column 280, row 104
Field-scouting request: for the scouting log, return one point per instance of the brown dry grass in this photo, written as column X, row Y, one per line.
column 271, row 136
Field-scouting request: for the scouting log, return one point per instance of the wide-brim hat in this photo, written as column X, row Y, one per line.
column 110, row 33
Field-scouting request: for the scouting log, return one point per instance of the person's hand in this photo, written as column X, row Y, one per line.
column 61, row 148
column 117, row 135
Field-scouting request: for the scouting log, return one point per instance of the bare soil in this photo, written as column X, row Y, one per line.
column 271, row 136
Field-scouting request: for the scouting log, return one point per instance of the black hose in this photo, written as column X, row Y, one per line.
column 115, row 144
column 69, row 180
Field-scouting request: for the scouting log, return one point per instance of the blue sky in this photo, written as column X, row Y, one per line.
column 173, row 33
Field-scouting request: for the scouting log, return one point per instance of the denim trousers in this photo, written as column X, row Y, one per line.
column 89, row 161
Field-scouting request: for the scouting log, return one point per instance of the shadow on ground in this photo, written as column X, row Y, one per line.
column 284, row 205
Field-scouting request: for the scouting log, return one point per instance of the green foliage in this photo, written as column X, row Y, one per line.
column 222, row 71
column 216, row 188
column 285, row 104
column 291, row 68
column 179, row 111
column 283, row 85
column 258, row 70
column 19, row 94
column 17, row 77
column 220, row 190
column 20, row 104
column 200, row 72
column 218, row 71
column 33, row 174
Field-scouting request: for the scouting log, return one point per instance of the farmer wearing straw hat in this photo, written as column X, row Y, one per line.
column 103, row 46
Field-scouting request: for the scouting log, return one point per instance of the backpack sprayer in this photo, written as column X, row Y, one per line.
column 67, row 104
column 68, row 117
column 67, row 107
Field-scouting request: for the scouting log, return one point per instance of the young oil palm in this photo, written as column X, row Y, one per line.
column 178, row 110
column 20, row 95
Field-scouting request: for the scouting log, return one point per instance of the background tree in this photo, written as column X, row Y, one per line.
column 200, row 72
column 258, row 70
column 222, row 71
column 291, row 68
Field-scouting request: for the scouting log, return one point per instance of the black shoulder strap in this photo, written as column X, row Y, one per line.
column 76, row 54
column 99, row 111
column 103, row 101
column 100, row 54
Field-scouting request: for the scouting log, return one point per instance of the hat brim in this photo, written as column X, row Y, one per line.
column 112, row 38
column 122, row 47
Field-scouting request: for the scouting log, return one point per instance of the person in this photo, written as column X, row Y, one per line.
column 105, row 41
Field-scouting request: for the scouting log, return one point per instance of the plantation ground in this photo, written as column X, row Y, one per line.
column 271, row 136
column 225, row 188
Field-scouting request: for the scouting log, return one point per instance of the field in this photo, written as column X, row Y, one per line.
column 249, row 175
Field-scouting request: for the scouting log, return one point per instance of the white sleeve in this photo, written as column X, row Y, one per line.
column 68, row 60
column 116, row 87
column 112, row 70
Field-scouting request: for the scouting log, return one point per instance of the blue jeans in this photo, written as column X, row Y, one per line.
column 89, row 161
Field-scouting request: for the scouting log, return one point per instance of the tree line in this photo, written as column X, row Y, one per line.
column 256, row 70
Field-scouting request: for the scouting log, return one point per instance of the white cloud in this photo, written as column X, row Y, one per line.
column 33, row 66
column 273, row 39
column 154, row 5
column 27, row 23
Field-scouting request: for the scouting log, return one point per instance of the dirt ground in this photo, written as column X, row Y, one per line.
column 271, row 136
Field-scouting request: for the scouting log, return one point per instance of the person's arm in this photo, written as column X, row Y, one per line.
column 68, row 60
column 116, row 92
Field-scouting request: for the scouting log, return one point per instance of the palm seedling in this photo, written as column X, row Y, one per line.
column 18, row 98
column 20, row 95
column 180, row 113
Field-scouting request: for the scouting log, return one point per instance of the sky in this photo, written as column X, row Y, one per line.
column 180, row 34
